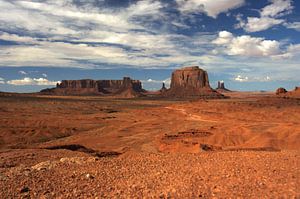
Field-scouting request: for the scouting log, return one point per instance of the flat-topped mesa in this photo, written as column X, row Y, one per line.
column 97, row 87
column 84, row 83
column 191, row 82
column 189, row 77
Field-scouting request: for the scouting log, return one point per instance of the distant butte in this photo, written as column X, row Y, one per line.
column 191, row 82
column 221, row 87
column 121, row 88
column 187, row 82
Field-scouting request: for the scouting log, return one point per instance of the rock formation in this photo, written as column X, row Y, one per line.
column 124, row 88
column 288, row 94
column 221, row 87
column 163, row 88
column 190, row 82
column 280, row 91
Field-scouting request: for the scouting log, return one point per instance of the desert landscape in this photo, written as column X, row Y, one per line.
column 192, row 143
column 168, row 99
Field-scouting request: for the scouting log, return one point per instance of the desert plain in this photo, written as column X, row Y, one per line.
column 245, row 146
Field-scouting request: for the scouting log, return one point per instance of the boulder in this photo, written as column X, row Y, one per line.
column 190, row 82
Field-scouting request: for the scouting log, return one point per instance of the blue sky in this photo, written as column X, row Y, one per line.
column 249, row 44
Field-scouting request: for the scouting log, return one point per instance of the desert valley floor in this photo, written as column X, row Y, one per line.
column 86, row 147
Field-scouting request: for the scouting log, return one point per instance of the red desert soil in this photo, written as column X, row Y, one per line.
column 86, row 147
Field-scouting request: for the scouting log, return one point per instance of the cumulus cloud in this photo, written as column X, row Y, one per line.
column 246, row 45
column 211, row 8
column 31, row 81
column 269, row 16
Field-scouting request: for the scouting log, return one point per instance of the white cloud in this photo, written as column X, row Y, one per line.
column 22, row 72
column 166, row 81
column 292, row 51
column 63, row 20
column 269, row 16
column 44, row 75
column 239, row 78
column 294, row 25
column 31, row 81
column 243, row 78
column 246, row 45
column 277, row 8
column 255, row 24
column 2, row 80
column 16, row 38
column 211, row 8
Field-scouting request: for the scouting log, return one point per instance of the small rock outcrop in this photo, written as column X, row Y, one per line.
column 289, row 94
column 280, row 91
column 123, row 88
column 221, row 87
column 163, row 88
column 190, row 82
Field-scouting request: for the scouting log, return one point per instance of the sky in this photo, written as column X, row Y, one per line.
column 251, row 45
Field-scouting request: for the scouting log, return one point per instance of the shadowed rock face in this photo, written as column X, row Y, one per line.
column 89, row 86
column 191, row 82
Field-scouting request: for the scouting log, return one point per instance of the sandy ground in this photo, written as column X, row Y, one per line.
column 246, row 146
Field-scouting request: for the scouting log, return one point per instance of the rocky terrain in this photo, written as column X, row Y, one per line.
column 89, row 146
column 137, row 175
column 191, row 82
